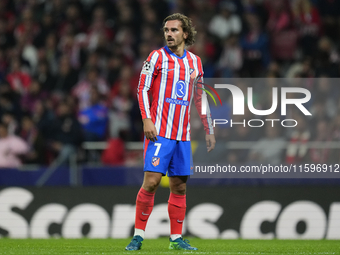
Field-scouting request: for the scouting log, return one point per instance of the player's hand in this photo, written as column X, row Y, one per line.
column 150, row 131
column 210, row 140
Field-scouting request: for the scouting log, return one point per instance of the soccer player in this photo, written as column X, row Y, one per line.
column 171, row 75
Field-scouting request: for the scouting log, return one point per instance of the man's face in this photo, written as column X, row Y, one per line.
column 173, row 33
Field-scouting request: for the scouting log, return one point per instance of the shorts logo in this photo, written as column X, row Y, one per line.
column 180, row 89
column 155, row 161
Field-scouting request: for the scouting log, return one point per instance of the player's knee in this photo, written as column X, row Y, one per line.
column 179, row 189
column 151, row 185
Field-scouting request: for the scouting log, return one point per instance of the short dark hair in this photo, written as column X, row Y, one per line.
column 186, row 26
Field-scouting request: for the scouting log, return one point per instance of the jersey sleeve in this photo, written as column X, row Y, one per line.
column 147, row 75
column 200, row 97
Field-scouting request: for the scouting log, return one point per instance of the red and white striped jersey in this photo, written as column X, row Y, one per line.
column 171, row 80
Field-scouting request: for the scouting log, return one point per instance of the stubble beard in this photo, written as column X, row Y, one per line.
column 175, row 45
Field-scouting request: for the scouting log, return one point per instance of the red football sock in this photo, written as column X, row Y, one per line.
column 144, row 205
column 176, row 208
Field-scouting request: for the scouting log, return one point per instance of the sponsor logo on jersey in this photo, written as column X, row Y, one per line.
column 176, row 101
column 181, row 89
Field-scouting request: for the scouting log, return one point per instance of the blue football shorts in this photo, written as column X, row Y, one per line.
column 167, row 155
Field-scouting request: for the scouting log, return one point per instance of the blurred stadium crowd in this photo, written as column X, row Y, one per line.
column 69, row 70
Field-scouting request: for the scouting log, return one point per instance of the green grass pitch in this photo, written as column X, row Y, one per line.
column 160, row 246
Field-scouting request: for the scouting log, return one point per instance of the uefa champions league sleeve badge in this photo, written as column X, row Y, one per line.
column 147, row 68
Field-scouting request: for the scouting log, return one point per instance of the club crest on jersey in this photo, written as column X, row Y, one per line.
column 192, row 73
column 155, row 161
column 180, row 89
